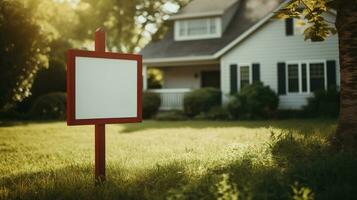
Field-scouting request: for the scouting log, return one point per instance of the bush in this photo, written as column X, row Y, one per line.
column 254, row 101
column 215, row 113
column 49, row 106
column 171, row 116
column 46, row 81
column 201, row 101
column 151, row 104
column 12, row 115
column 324, row 104
column 289, row 114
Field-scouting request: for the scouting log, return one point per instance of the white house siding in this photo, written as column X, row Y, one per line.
column 268, row 46
column 184, row 76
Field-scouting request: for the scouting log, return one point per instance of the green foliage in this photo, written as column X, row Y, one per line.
column 49, row 80
column 254, row 101
column 12, row 115
column 46, row 81
column 151, row 104
column 128, row 22
column 171, row 116
column 311, row 11
column 324, row 104
column 201, row 101
column 49, row 106
column 301, row 192
column 155, row 79
column 36, row 34
column 215, row 113
column 226, row 190
column 23, row 51
column 290, row 114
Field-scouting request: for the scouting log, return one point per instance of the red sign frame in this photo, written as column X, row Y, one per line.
column 71, row 99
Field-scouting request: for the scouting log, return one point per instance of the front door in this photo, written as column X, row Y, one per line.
column 210, row 79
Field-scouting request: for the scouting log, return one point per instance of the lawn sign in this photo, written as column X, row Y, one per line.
column 102, row 88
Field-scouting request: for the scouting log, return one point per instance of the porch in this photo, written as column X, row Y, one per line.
column 179, row 80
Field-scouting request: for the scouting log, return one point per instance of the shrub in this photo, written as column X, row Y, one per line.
column 49, row 106
column 215, row 113
column 46, row 81
column 254, row 101
column 201, row 101
column 324, row 104
column 289, row 114
column 151, row 104
column 12, row 114
column 171, row 116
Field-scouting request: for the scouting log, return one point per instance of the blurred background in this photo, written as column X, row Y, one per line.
column 35, row 35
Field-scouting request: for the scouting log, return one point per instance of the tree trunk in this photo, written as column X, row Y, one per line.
column 346, row 25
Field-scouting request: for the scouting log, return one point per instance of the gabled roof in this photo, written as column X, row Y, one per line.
column 203, row 8
column 248, row 14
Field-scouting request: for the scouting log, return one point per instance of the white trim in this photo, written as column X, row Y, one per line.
column 207, row 35
column 168, row 90
column 299, row 63
column 241, row 37
column 145, row 77
column 178, row 59
column 250, row 74
column 287, row 77
column 307, row 77
column 196, row 15
column 325, row 70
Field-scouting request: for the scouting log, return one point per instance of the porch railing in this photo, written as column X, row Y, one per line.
column 171, row 99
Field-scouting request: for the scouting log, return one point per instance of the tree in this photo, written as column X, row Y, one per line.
column 345, row 137
column 131, row 24
column 23, row 50
column 155, row 79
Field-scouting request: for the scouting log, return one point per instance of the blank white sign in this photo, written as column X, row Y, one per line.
column 105, row 88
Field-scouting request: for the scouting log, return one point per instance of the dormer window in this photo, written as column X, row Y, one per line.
column 193, row 29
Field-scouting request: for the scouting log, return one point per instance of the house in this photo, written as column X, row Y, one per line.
column 228, row 44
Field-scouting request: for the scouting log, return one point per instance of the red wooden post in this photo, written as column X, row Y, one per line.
column 99, row 128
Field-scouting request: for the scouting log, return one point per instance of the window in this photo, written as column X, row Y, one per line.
column 317, row 76
column 295, row 26
column 213, row 27
column 304, row 77
column 289, row 26
column 244, row 76
column 197, row 29
column 293, row 78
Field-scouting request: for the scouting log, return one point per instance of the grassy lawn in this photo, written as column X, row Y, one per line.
column 158, row 160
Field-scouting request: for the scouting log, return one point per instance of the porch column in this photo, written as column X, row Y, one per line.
column 145, row 80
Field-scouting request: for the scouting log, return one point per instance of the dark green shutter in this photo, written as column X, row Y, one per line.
column 256, row 72
column 289, row 26
column 331, row 73
column 281, row 78
column 304, row 77
column 233, row 75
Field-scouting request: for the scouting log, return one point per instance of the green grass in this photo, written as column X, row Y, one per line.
column 158, row 160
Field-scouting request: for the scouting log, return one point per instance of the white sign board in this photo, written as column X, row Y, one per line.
column 104, row 87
